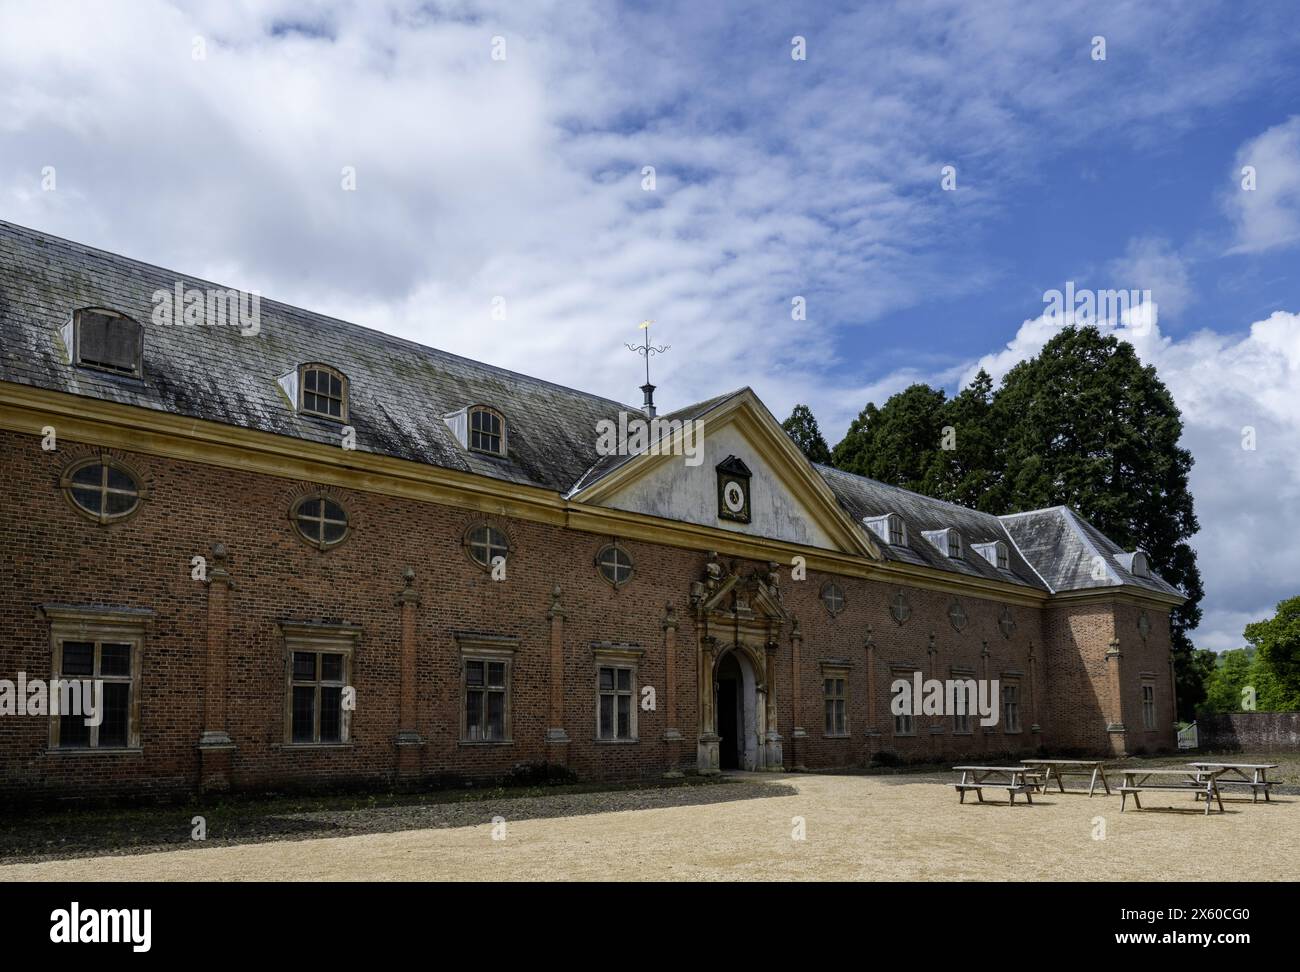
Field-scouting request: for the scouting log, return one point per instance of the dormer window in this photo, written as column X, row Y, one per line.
column 995, row 553
column 890, row 528
column 106, row 341
column 1135, row 563
column 948, row 541
column 324, row 392
column 487, row 430
column 479, row 429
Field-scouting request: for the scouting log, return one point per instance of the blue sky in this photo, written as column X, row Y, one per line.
column 521, row 177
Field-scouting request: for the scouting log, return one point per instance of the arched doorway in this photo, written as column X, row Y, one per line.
column 736, row 712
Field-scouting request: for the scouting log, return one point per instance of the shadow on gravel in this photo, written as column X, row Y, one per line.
column 97, row 833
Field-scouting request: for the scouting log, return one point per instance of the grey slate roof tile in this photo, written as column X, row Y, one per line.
column 401, row 390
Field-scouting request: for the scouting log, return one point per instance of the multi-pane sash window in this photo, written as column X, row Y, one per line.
column 486, row 431
column 1010, row 708
column 616, row 702
column 903, row 725
column 486, row 688
column 834, row 692
column 317, row 703
column 961, row 722
column 1149, row 706
column 112, row 664
column 323, row 392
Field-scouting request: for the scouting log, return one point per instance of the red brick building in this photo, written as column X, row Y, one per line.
column 297, row 551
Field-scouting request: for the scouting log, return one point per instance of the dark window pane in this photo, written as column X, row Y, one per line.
column 304, row 713
column 331, row 668
column 624, row 717
column 331, row 713
column 73, row 732
column 334, row 512
column 335, row 408
column 91, row 475
column 473, row 714
column 336, row 386
column 496, row 674
column 474, row 673
column 625, row 679
column 115, row 660
column 117, row 479
column 78, row 658
column 304, row 665
column 607, row 679
column 606, row 716
column 309, row 380
column 87, row 499
column 119, row 503
column 496, row 715
column 333, row 532
column 830, row 708
column 112, row 731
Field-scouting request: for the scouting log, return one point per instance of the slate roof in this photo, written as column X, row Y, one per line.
column 400, row 391
column 1065, row 546
column 864, row 498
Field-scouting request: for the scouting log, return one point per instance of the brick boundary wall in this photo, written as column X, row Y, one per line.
column 1263, row 731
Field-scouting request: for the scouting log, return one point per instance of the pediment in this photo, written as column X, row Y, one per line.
column 786, row 498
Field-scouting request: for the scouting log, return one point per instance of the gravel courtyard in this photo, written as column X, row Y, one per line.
column 854, row 828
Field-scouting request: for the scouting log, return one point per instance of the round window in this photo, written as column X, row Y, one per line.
column 321, row 522
column 833, row 598
column 614, row 564
column 485, row 544
column 102, row 489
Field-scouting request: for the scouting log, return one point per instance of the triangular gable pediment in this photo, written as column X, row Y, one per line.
column 683, row 480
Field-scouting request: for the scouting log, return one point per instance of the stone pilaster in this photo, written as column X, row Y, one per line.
column 409, row 742
column 1035, row 690
column 672, row 734
column 797, row 733
column 1115, row 682
column 216, row 748
column 873, row 726
column 557, row 740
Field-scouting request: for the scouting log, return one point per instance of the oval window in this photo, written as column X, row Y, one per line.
column 614, row 564
column 485, row 544
column 102, row 489
column 320, row 521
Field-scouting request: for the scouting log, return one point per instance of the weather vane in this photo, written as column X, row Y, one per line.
column 645, row 350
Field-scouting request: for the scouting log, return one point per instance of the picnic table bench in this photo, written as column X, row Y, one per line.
column 1189, row 780
column 1257, row 781
column 1013, row 779
column 1058, row 768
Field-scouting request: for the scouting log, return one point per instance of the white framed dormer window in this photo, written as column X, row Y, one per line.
column 995, row 553
column 317, row 389
column 947, row 540
column 105, row 340
column 890, row 528
column 479, row 428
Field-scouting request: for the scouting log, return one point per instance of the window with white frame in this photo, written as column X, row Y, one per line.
column 318, row 703
column 889, row 528
column 96, row 659
column 616, row 689
column 835, row 683
column 486, row 664
column 487, row 430
column 324, row 392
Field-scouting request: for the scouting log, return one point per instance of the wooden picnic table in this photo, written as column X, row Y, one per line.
column 1258, row 779
column 1071, row 767
column 1009, row 778
column 1199, row 782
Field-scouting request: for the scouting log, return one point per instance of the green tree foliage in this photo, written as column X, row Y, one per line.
column 1083, row 424
column 1277, row 643
column 802, row 427
column 1226, row 679
column 895, row 444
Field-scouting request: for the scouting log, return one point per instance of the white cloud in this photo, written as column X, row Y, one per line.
column 1268, row 216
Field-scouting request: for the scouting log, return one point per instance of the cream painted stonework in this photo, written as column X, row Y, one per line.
column 676, row 491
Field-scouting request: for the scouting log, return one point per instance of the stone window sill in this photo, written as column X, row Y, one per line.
column 616, row 742
column 95, row 751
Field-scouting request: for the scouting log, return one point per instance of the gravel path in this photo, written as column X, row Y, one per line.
column 852, row 828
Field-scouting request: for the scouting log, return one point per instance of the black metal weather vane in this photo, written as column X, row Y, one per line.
column 646, row 350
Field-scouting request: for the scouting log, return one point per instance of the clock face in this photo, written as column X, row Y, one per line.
column 733, row 496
